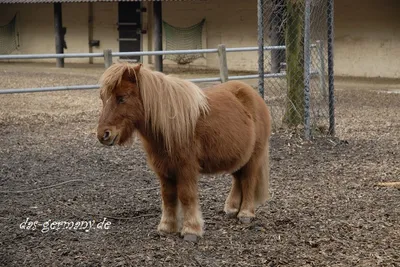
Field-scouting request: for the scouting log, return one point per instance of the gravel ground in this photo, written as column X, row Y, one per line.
column 326, row 208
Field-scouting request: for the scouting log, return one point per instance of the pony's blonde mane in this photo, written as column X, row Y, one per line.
column 172, row 105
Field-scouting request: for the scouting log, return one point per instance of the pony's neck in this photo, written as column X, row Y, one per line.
column 171, row 107
column 153, row 139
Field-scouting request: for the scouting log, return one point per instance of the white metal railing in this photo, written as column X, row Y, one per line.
column 138, row 53
column 108, row 55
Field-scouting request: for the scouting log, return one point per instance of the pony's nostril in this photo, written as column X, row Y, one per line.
column 106, row 135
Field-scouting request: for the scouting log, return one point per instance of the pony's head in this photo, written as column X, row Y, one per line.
column 122, row 105
column 136, row 97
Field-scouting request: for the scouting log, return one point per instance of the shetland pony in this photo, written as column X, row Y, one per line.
column 186, row 131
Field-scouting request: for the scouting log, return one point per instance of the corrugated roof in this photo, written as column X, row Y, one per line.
column 60, row 1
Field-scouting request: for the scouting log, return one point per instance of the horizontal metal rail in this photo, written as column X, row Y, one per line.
column 167, row 52
column 114, row 54
column 49, row 89
column 82, row 87
column 41, row 56
column 204, row 80
column 255, row 48
column 139, row 53
column 97, row 86
column 255, row 76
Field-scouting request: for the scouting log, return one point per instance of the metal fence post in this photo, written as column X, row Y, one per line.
column 260, row 18
column 307, row 67
column 107, row 58
column 223, row 63
column 321, row 70
column 330, row 67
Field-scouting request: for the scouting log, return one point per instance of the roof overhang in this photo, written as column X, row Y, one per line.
column 60, row 1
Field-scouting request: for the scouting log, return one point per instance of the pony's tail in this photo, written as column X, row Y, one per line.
column 262, row 193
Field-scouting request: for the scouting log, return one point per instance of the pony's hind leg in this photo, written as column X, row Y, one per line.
column 169, row 222
column 248, row 176
column 262, row 193
column 232, row 203
column 188, row 196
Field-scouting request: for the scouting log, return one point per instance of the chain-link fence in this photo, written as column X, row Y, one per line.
column 297, row 63
column 8, row 37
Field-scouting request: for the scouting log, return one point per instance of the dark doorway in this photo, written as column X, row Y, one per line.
column 129, row 28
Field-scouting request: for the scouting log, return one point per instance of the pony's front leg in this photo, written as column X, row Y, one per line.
column 169, row 220
column 188, row 196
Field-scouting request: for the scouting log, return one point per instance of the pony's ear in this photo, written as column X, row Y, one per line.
column 130, row 75
column 137, row 68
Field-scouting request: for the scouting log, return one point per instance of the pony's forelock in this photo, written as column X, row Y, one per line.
column 112, row 77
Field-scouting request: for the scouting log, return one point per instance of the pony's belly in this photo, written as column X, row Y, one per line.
column 227, row 155
column 212, row 167
column 227, row 135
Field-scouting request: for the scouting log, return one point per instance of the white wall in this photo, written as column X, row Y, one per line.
column 75, row 19
column 105, row 29
column 367, row 38
column 35, row 25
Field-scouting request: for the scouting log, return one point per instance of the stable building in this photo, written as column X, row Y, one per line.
column 95, row 25
column 367, row 34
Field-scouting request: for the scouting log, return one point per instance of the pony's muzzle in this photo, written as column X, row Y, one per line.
column 106, row 136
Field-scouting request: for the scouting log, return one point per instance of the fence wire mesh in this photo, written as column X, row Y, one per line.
column 8, row 37
column 298, row 30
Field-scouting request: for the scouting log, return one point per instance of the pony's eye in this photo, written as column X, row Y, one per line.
column 120, row 99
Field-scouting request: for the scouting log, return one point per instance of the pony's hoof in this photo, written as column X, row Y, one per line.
column 190, row 238
column 167, row 228
column 231, row 213
column 245, row 220
column 162, row 234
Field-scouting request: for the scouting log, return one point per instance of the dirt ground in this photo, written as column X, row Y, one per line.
column 326, row 208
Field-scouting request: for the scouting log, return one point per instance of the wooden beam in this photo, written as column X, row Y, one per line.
column 107, row 58
column 90, row 30
column 157, row 34
column 58, row 34
column 223, row 63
